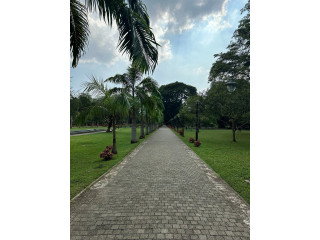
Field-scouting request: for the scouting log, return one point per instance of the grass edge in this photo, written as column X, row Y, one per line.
column 99, row 178
column 218, row 175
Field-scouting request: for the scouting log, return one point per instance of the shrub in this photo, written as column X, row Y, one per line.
column 191, row 140
column 197, row 143
column 109, row 147
column 180, row 131
column 106, row 154
column 141, row 137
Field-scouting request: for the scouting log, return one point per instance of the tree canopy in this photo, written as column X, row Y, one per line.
column 173, row 95
column 235, row 63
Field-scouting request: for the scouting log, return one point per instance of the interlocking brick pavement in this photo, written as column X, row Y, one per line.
column 162, row 190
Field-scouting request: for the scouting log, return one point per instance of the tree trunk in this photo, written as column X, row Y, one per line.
column 234, row 130
column 109, row 125
column 142, row 125
column 147, row 125
column 114, row 145
column 134, row 127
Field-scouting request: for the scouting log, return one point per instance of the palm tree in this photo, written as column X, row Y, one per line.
column 129, row 82
column 131, row 17
column 111, row 103
column 158, row 113
column 146, row 89
column 118, row 104
column 154, row 111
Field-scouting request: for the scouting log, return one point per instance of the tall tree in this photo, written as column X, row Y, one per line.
column 98, row 89
column 173, row 95
column 118, row 104
column 154, row 111
column 234, row 106
column 146, row 90
column 235, row 63
column 129, row 82
column 131, row 17
column 115, row 105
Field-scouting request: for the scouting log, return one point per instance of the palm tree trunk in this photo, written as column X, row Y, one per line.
column 142, row 125
column 134, row 127
column 147, row 125
column 109, row 125
column 114, row 145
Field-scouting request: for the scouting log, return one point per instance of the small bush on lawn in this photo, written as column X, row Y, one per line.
column 197, row 143
column 180, row 132
column 191, row 140
column 106, row 154
column 141, row 137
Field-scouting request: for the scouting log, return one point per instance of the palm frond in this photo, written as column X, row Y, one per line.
column 134, row 76
column 136, row 37
column 116, row 90
column 107, row 9
column 79, row 30
column 140, row 8
column 118, row 104
column 117, row 79
column 150, row 85
column 96, row 87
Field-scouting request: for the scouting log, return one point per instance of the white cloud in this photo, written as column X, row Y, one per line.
column 171, row 17
column 183, row 14
column 216, row 21
column 166, row 16
column 103, row 40
column 159, row 29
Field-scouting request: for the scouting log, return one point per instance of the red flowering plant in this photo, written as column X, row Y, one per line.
column 141, row 137
column 191, row 140
column 197, row 143
column 106, row 154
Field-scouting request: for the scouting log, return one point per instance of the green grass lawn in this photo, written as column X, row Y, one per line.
column 231, row 160
column 85, row 164
column 86, row 128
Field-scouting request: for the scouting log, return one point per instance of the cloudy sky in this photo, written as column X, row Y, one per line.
column 189, row 33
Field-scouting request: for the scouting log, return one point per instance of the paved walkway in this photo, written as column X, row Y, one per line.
column 162, row 190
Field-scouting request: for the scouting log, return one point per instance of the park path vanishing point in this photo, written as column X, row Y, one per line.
column 162, row 190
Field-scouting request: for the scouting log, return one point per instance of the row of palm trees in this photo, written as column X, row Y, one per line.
column 132, row 96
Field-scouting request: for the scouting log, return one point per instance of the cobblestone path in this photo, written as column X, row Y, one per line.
column 162, row 190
